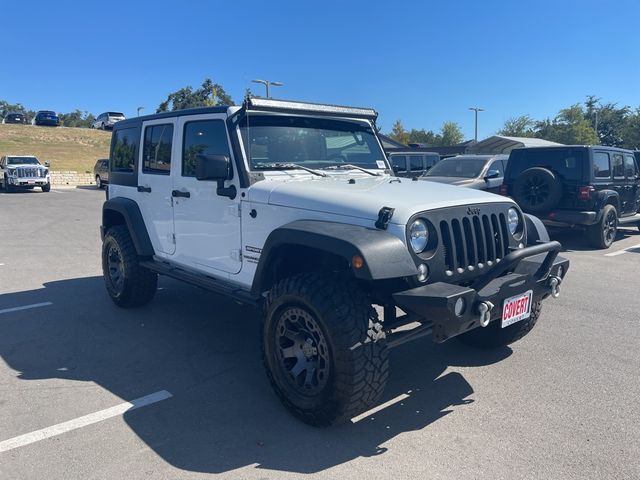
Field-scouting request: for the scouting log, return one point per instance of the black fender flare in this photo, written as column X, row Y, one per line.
column 130, row 211
column 604, row 197
column 385, row 255
column 536, row 231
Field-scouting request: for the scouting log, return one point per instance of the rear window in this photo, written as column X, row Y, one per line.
column 415, row 163
column 115, row 114
column 399, row 163
column 46, row 112
column 566, row 162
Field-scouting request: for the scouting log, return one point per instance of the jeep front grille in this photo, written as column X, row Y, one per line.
column 473, row 241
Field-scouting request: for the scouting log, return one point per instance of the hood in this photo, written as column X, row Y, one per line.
column 24, row 165
column 460, row 182
column 366, row 196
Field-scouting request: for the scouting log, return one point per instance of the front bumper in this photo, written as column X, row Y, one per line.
column 28, row 181
column 535, row 268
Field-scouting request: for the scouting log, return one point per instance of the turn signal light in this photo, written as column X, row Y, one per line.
column 357, row 262
column 504, row 190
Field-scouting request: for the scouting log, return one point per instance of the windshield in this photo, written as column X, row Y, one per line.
column 22, row 161
column 457, row 167
column 310, row 142
column 115, row 114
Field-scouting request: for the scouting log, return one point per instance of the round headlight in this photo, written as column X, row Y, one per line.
column 418, row 236
column 513, row 220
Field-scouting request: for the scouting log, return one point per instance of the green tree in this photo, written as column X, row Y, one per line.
column 450, row 134
column 631, row 130
column 77, row 119
column 426, row 137
column 6, row 107
column 208, row 95
column 521, row 126
column 569, row 127
column 398, row 133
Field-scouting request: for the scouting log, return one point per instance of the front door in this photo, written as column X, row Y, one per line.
column 207, row 225
column 155, row 183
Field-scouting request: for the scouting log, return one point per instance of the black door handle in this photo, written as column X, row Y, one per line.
column 178, row 193
column 144, row 189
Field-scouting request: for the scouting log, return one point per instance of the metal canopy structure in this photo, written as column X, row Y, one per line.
column 500, row 144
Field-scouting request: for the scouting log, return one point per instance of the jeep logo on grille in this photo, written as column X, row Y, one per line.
column 473, row 211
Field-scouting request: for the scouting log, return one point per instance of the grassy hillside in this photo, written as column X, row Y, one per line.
column 65, row 148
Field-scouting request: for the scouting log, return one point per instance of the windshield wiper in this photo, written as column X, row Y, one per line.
column 287, row 166
column 350, row 166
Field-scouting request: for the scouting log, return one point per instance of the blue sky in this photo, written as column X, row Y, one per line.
column 423, row 62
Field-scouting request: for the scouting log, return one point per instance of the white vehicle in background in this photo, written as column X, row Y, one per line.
column 23, row 172
column 107, row 120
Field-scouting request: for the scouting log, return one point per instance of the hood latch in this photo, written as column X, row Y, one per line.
column 384, row 216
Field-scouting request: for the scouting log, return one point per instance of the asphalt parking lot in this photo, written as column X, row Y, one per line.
column 561, row 404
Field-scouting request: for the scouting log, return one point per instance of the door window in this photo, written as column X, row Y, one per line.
column 630, row 167
column 207, row 137
column 415, row 163
column 156, row 157
column 601, row 166
column 618, row 166
column 123, row 151
column 399, row 163
column 497, row 166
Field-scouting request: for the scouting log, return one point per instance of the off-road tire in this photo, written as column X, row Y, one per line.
column 494, row 336
column 99, row 183
column 537, row 190
column 138, row 284
column 603, row 234
column 355, row 344
column 46, row 188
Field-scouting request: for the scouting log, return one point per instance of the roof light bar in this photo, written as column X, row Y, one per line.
column 253, row 103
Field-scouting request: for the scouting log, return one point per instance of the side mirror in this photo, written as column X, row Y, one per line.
column 492, row 174
column 47, row 164
column 217, row 168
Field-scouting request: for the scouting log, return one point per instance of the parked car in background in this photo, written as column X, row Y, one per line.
column 594, row 188
column 482, row 172
column 23, row 172
column 106, row 120
column 46, row 117
column 15, row 117
column 101, row 172
column 408, row 164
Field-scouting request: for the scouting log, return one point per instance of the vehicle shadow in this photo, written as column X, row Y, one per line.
column 576, row 240
column 88, row 187
column 204, row 350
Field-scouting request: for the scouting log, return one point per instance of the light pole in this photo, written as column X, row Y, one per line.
column 266, row 83
column 139, row 109
column 476, row 110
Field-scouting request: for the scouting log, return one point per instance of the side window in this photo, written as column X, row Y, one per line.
column 156, row 156
column 617, row 165
column 124, row 149
column 399, row 162
column 601, row 166
column 630, row 167
column 497, row 165
column 415, row 163
column 202, row 137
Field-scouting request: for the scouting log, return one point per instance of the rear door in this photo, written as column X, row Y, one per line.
column 620, row 181
column 632, row 187
column 155, row 182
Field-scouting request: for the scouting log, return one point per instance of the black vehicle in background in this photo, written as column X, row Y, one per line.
column 15, row 118
column 594, row 188
column 46, row 117
column 408, row 164
column 482, row 172
column 101, row 172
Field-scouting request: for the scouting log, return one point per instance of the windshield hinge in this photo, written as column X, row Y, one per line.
column 384, row 216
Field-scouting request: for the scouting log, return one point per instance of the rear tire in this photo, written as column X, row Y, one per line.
column 99, row 182
column 128, row 284
column 323, row 348
column 603, row 234
column 494, row 336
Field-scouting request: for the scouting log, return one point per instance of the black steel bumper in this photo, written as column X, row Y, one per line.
column 536, row 268
column 561, row 218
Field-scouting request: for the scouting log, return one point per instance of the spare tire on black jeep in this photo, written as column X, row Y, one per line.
column 537, row 189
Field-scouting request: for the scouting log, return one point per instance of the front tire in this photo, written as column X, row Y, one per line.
column 323, row 348
column 128, row 284
column 602, row 234
column 46, row 188
column 494, row 336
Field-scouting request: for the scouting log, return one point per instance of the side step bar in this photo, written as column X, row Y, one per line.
column 202, row 281
column 629, row 220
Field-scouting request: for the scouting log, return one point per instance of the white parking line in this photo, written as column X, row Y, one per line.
column 620, row 252
column 382, row 406
column 26, row 307
column 80, row 422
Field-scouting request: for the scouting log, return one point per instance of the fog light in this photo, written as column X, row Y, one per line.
column 423, row 273
column 459, row 307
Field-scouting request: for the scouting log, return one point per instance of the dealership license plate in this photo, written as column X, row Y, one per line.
column 31, row 182
column 516, row 308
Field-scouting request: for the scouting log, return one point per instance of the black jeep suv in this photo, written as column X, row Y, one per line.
column 592, row 187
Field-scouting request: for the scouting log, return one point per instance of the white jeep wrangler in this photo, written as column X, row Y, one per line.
column 293, row 207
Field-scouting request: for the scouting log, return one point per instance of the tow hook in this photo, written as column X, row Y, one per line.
column 554, row 284
column 484, row 308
